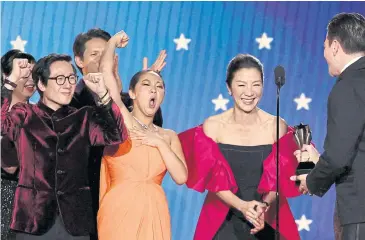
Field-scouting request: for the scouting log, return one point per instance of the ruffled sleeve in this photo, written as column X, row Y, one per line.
column 208, row 170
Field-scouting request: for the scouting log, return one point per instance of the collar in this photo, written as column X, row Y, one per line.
column 61, row 112
column 351, row 62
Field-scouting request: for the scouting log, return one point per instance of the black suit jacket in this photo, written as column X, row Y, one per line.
column 343, row 159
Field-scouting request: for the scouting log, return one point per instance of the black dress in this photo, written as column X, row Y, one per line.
column 8, row 186
column 246, row 163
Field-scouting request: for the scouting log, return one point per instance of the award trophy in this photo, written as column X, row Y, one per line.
column 303, row 135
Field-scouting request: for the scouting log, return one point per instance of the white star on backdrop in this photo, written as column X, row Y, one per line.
column 182, row 42
column 302, row 102
column 19, row 44
column 303, row 223
column 264, row 41
column 220, row 103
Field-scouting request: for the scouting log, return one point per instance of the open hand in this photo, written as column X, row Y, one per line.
column 158, row 65
column 149, row 138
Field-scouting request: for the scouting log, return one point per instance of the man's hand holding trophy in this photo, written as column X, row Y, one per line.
column 303, row 137
column 306, row 155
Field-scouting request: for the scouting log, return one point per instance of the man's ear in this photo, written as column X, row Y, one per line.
column 79, row 62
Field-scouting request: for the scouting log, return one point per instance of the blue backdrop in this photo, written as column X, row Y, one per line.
column 286, row 33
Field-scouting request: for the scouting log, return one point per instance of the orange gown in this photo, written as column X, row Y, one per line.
column 133, row 205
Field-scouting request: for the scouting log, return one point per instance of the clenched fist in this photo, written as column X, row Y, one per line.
column 121, row 39
column 95, row 82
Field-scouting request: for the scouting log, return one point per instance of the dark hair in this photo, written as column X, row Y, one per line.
column 137, row 76
column 243, row 61
column 128, row 102
column 7, row 61
column 349, row 30
column 82, row 38
column 41, row 70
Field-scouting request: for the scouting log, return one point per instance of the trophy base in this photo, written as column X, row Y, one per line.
column 304, row 168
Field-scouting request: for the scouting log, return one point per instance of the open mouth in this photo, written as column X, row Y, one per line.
column 152, row 102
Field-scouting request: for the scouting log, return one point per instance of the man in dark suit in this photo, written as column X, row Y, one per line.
column 343, row 159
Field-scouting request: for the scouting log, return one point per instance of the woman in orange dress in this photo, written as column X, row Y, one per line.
column 133, row 204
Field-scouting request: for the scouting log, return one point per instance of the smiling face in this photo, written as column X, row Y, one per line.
column 25, row 88
column 246, row 88
column 148, row 93
column 55, row 93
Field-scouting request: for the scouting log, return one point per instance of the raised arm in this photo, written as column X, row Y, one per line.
column 106, row 124
column 12, row 121
column 107, row 68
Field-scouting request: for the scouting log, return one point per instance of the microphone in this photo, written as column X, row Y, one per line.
column 279, row 81
column 279, row 76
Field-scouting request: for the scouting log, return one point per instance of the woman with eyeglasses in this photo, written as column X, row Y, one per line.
column 9, row 179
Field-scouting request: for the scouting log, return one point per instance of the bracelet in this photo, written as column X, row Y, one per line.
column 107, row 91
column 12, row 84
column 104, row 102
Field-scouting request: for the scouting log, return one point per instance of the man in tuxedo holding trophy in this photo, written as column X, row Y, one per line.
column 343, row 159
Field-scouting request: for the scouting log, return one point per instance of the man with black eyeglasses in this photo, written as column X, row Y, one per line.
column 53, row 141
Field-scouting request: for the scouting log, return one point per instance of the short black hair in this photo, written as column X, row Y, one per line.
column 41, row 70
column 349, row 30
column 7, row 61
column 243, row 61
column 82, row 38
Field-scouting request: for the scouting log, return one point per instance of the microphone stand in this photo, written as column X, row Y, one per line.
column 277, row 235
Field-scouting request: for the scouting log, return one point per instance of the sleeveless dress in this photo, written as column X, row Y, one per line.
column 246, row 163
column 133, row 205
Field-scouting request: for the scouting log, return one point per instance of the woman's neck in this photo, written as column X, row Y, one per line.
column 146, row 120
column 245, row 118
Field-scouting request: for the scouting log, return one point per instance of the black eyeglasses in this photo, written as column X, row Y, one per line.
column 60, row 79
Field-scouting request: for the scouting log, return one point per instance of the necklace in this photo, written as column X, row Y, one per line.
column 144, row 126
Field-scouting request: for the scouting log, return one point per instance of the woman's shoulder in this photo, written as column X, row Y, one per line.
column 218, row 119
column 213, row 124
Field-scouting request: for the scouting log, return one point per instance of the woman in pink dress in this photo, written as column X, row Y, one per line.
column 232, row 155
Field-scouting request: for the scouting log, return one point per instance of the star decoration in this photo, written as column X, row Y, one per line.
column 220, row 103
column 19, row 44
column 182, row 42
column 264, row 41
column 303, row 223
column 302, row 102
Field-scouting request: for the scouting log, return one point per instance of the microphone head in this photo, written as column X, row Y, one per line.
column 279, row 76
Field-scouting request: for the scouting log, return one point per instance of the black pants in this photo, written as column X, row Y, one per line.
column 57, row 232
column 354, row 231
